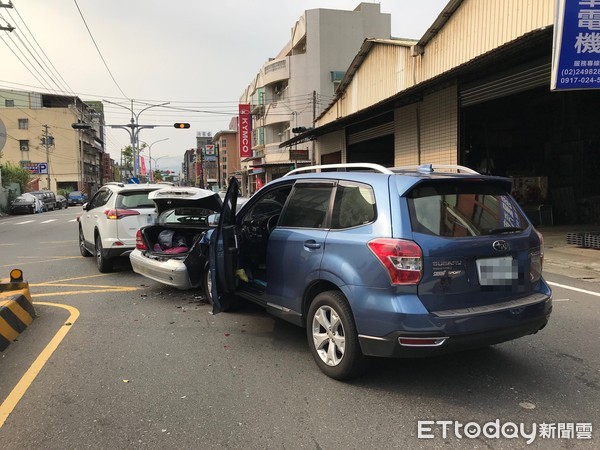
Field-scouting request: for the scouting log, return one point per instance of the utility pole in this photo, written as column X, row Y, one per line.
column 47, row 141
column 314, row 111
column 7, row 27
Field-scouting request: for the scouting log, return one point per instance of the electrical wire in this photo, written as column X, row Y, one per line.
column 64, row 84
column 98, row 49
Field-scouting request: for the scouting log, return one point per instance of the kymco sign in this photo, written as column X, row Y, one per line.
column 245, row 131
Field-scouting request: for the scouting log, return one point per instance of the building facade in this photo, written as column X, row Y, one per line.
column 474, row 90
column 40, row 138
column 228, row 159
column 291, row 89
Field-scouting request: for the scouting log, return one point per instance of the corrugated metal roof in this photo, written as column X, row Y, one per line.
column 412, row 94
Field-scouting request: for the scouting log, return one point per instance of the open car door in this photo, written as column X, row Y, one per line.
column 224, row 251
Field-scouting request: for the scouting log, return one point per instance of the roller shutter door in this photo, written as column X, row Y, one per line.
column 507, row 83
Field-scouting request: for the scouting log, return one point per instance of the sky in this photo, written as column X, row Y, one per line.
column 198, row 55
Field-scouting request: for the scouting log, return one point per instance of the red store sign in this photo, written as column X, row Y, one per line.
column 245, row 131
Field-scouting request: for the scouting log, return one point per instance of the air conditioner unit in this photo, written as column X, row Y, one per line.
column 24, row 148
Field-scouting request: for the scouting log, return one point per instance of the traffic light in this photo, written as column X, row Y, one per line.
column 81, row 126
column 181, row 125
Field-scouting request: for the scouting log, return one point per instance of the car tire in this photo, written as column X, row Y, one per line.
column 207, row 284
column 332, row 336
column 84, row 251
column 105, row 265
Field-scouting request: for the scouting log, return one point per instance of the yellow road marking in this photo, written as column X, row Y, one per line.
column 19, row 390
column 41, row 261
column 91, row 291
column 77, row 278
column 79, row 285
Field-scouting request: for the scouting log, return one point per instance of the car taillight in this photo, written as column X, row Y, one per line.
column 537, row 260
column 116, row 214
column 403, row 259
column 139, row 241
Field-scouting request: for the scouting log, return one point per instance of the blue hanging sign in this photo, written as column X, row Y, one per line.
column 576, row 49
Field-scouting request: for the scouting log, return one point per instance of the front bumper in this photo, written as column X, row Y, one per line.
column 172, row 272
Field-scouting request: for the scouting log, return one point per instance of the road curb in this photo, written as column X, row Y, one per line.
column 16, row 311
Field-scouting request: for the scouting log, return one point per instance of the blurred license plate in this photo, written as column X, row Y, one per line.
column 497, row 271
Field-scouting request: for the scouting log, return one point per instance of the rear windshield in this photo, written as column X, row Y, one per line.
column 463, row 209
column 134, row 200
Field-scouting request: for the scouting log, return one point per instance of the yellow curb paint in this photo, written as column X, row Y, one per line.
column 21, row 314
column 7, row 331
column 19, row 390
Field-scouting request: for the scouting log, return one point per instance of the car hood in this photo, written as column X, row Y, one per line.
column 185, row 197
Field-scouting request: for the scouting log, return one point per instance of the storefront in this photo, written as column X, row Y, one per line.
column 512, row 125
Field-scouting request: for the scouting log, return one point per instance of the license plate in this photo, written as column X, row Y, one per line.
column 501, row 271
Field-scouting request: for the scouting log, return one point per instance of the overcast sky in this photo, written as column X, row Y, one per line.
column 199, row 55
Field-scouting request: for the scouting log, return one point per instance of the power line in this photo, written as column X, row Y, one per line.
column 41, row 49
column 99, row 52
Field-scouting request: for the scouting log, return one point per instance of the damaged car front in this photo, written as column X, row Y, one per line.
column 173, row 251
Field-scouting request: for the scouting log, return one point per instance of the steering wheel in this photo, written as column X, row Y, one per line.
column 271, row 223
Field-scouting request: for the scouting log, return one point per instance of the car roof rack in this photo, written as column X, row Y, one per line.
column 341, row 167
column 441, row 168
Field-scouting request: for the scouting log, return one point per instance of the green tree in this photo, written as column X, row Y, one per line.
column 12, row 173
column 127, row 159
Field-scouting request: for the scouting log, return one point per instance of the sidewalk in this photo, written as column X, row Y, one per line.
column 567, row 259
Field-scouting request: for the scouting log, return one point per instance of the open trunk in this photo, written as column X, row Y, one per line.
column 194, row 257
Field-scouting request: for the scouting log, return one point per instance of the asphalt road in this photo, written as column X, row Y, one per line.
column 145, row 366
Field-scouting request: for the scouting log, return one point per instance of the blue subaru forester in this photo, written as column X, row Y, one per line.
column 392, row 262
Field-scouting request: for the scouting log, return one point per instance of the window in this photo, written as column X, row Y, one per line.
column 138, row 199
column 23, row 124
column 100, row 198
column 465, row 209
column 223, row 143
column 270, row 204
column 9, row 103
column 24, row 145
column 308, row 206
column 354, row 205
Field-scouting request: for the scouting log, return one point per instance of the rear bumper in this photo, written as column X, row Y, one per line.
column 452, row 330
column 116, row 251
column 171, row 272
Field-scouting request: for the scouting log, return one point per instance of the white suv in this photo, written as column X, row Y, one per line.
column 110, row 220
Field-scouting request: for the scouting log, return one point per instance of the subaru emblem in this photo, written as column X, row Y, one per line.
column 500, row 246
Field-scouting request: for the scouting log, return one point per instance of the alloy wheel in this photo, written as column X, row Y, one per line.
column 328, row 335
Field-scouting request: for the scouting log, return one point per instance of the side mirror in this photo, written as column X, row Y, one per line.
column 213, row 220
column 85, row 206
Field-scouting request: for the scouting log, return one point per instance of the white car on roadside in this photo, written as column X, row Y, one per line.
column 111, row 219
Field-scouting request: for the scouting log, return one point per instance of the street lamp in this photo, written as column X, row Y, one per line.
column 134, row 128
column 150, row 155
column 156, row 162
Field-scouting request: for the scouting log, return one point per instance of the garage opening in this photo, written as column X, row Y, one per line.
column 548, row 142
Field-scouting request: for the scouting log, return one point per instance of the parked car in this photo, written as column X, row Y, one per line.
column 76, row 198
column 26, row 204
column 61, row 202
column 170, row 251
column 397, row 262
column 109, row 222
column 48, row 199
